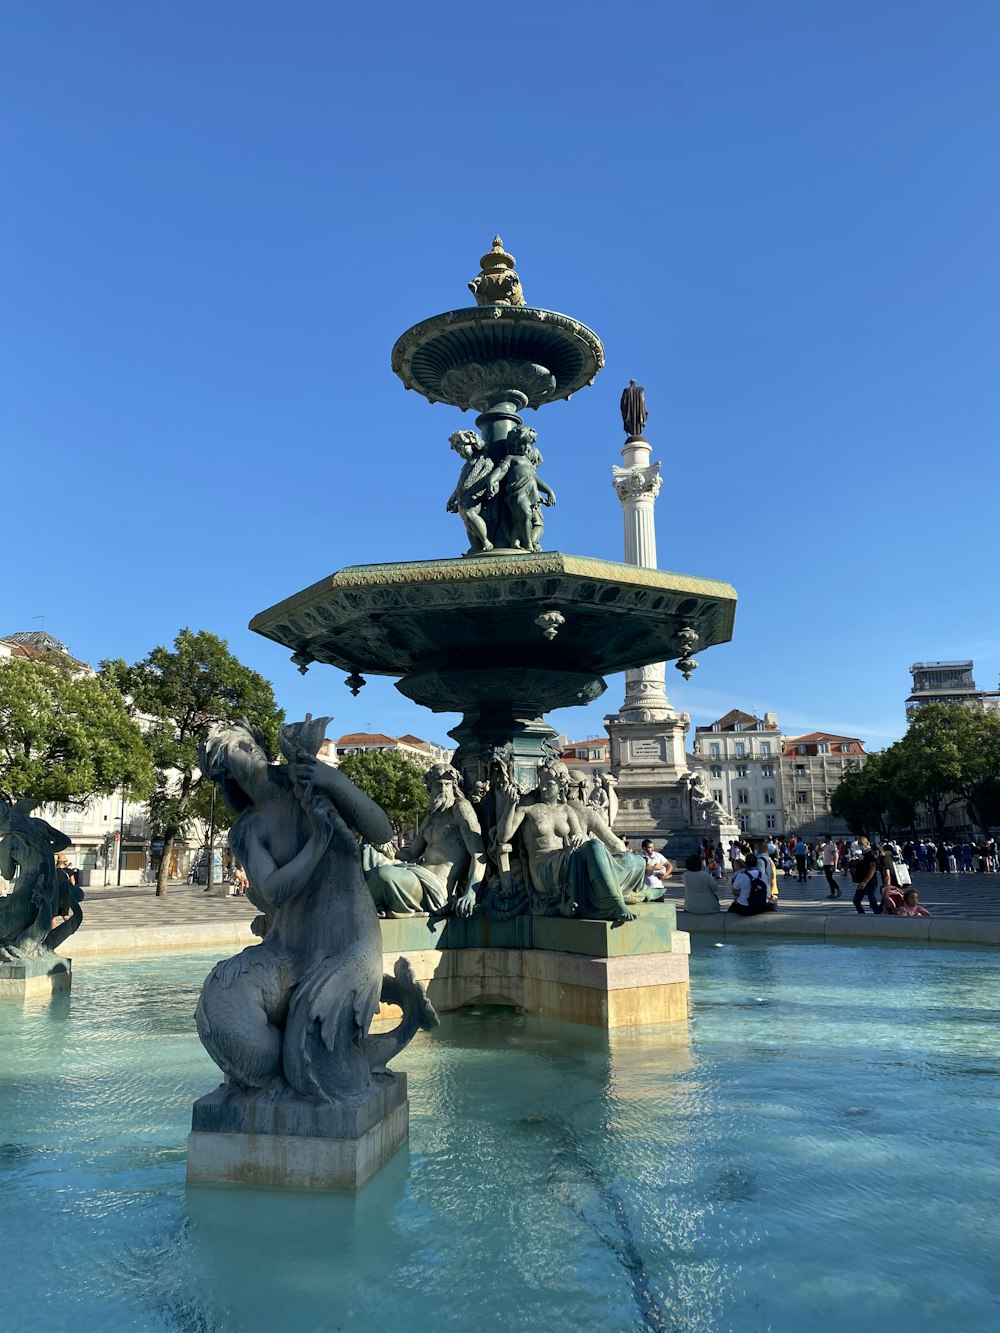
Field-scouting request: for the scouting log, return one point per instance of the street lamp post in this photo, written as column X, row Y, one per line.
column 211, row 842
column 121, row 842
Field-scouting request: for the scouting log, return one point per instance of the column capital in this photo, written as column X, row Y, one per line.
column 636, row 483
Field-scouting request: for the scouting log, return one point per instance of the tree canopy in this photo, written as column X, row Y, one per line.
column 392, row 780
column 181, row 693
column 950, row 755
column 66, row 736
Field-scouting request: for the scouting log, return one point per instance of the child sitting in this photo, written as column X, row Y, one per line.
column 911, row 905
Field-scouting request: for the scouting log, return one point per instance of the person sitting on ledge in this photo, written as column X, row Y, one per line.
column 658, row 869
column 750, row 890
column 700, row 896
column 892, row 899
column 911, row 905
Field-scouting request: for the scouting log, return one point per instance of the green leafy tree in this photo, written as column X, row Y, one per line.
column 392, row 780
column 980, row 786
column 936, row 759
column 180, row 694
column 861, row 798
column 66, row 736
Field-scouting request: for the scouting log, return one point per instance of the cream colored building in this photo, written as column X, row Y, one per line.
column 774, row 784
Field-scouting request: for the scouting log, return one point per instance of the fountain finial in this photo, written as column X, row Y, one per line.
column 497, row 284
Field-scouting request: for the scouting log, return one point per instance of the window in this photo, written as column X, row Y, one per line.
column 800, row 770
column 800, row 749
column 713, row 750
column 769, row 797
column 772, row 821
column 741, row 770
column 744, row 823
column 767, row 771
column 716, row 770
column 801, row 797
column 741, row 750
column 765, row 749
column 742, row 796
column 717, row 794
column 824, row 747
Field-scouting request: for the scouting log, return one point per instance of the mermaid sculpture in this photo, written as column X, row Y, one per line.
column 294, row 1011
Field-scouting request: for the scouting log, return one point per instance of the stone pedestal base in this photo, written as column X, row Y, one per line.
column 35, row 976
column 255, row 1139
column 576, row 970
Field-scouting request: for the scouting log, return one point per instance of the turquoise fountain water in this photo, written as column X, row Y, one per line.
column 819, row 1151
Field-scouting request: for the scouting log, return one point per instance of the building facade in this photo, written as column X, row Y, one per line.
column 739, row 757
column 774, row 784
column 812, row 768
column 420, row 751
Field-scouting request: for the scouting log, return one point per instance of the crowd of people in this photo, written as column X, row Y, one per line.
column 879, row 872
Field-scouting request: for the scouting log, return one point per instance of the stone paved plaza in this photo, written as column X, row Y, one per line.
column 134, row 918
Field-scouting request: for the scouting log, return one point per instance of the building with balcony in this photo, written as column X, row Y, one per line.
column 739, row 758
column 775, row 785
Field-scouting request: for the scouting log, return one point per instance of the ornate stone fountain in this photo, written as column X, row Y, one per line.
column 504, row 634
column 507, row 632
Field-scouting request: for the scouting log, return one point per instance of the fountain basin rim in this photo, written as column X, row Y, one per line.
column 471, row 570
column 544, row 331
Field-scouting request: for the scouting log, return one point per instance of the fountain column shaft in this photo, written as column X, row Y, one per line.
column 638, row 484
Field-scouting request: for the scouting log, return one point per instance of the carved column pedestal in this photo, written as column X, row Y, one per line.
column 287, row 1142
column 480, row 733
column 35, row 976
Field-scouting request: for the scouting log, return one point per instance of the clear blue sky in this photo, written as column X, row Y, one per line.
column 781, row 218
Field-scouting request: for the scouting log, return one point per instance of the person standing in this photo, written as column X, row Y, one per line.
column 801, row 852
column 829, row 856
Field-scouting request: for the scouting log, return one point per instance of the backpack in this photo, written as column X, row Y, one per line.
column 757, row 897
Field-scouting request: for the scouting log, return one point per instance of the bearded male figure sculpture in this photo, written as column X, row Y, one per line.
column 443, row 866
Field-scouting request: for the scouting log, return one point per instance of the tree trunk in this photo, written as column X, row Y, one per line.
column 161, row 874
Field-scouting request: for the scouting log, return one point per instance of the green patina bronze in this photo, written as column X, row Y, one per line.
column 507, row 632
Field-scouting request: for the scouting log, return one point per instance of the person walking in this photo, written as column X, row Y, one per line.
column 828, row 856
column 864, row 872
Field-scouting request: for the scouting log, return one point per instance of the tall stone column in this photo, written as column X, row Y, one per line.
column 648, row 751
column 638, row 485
